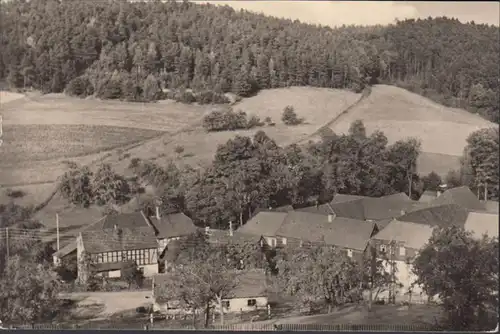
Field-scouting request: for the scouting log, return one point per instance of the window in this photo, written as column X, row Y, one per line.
column 251, row 302
column 225, row 304
column 383, row 248
column 349, row 252
column 402, row 251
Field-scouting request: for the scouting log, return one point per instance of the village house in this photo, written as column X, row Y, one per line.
column 461, row 196
column 441, row 215
column 105, row 252
column 364, row 208
column 428, row 196
column 122, row 221
column 297, row 228
column 400, row 242
column 250, row 294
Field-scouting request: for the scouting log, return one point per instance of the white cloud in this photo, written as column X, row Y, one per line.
column 328, row 12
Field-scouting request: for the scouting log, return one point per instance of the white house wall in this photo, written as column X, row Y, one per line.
column 150, row 269
column 236, row 305
column 404, row 276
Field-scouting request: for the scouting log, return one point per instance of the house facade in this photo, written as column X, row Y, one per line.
column 105, row 253
column 399, row 243
column 249, row 294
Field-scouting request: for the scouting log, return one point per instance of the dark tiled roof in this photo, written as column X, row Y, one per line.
column 384, row 208
column 341, row 232
column 109, row 240
column 428, row 196
column 129, row 221
column 438, row 215
column 462, row 196
column 349, row 209
column 264, row 223
column 324, row 209
column 174, row 225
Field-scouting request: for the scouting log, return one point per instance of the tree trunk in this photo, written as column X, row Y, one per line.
column 241, row 217
column 221, row 309
column 329, row 308
column 207, row 315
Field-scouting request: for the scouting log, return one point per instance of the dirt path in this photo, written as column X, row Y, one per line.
column 110, row 302
column 366, row 92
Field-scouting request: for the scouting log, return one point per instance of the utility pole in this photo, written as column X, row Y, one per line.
column 57, row 230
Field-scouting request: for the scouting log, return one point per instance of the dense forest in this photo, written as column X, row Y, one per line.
column 136, row 50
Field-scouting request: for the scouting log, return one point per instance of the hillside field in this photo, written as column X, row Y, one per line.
column 121, row 131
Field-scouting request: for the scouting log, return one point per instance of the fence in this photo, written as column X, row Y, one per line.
column 253, row 327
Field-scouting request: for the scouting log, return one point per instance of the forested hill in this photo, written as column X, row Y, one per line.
column 127, row 50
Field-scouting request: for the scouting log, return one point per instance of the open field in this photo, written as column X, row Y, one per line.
column 27, row 144
column 6, row 97
column 42, row 132
column 400, row 114
column 316, row 105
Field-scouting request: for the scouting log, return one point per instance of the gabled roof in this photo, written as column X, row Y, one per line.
column 371, row 208
column 313, row 227
column 173, row 225
column 480, row 223
column 130, row 221
column 68, row 249
column 109, row 240
column 264, row 223
column 224, row 237
column 438, row 215
column 491, row 206
column 340, row 198
column 284, row 208
column 428, row 196
column 349, row 209
column 462, row 196
column 413, row 235
column 323, row 209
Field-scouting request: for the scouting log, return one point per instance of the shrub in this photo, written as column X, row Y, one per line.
column 179, row 149
column 228, row 120
column 289, row 117
column 254, row 121
column 80, row 87
column 13, row 193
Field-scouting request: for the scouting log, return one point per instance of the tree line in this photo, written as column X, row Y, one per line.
column 142, row 51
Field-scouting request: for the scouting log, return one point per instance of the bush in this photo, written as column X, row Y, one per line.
column 289, row 117
column 254, row 121
column 12, row 193
column 80, row 87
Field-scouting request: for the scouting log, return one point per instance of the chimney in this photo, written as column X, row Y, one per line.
column 231, row 228
column 438, row 193
column 403, row 212
column 317, row 204
column 207, row 230
column 270, row 207
column 157, row 212
column 331, row 217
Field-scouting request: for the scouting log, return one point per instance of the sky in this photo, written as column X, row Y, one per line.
column 335, row 13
